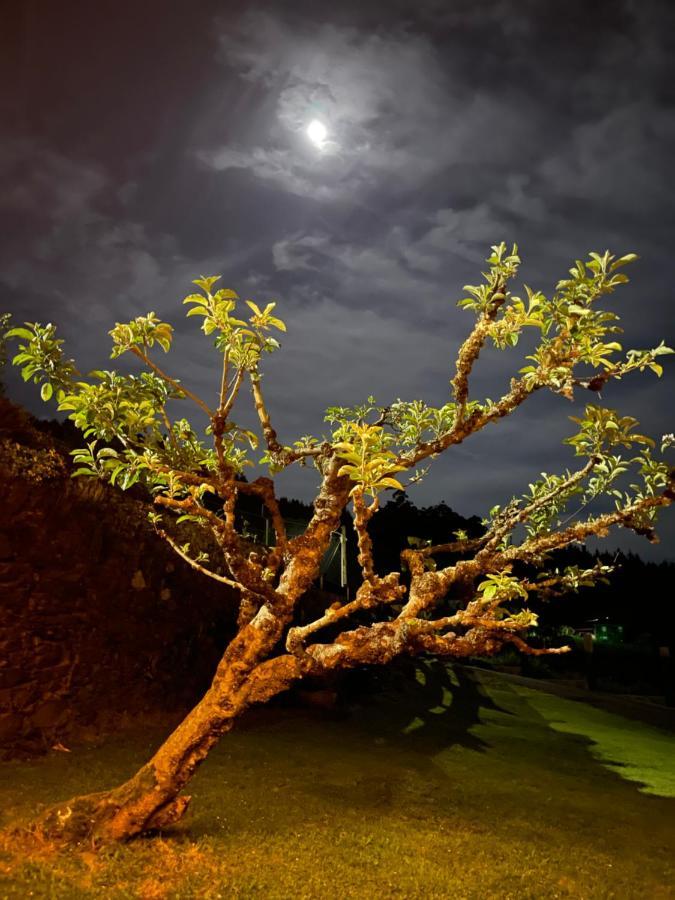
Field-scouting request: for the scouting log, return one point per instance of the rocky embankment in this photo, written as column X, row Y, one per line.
column 100, row 622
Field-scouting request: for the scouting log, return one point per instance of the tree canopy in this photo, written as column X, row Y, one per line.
column 475, row 604
column 130, row 437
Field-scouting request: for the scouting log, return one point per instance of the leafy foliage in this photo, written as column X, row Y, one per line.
column 414, row 421
column 573, row 330
column 369, row 462
column 41, row 359
column 503, row 266
column 133, row 434
column 242, row 341
column 143, row 332
column 602, row 428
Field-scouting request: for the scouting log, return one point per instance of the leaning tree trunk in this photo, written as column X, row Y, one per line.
column 152, row 798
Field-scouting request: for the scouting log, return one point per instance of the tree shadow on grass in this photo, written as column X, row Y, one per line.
column 639, row 754
column 374, row 759
column 412, row 712
column 422, row 705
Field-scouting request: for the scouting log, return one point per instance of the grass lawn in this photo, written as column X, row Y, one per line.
column 440, row 783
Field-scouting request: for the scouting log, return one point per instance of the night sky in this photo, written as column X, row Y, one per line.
column 145, row 143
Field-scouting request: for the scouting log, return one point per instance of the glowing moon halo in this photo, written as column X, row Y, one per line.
column 317, row 132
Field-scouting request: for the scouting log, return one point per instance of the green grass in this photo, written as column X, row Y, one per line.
column 438, row 785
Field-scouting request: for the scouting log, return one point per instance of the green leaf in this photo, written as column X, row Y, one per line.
column 115, row 474
column 225, row 294
column 21, row 333
column 47, row 390
column 206, row 282
column 390, row 483
column 623, row 260
column 348, row 470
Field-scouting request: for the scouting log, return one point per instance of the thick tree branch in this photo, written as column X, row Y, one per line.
column 273, row 676
column 426, row 588
column 264, row 488
column 520, row 390
column 599, row 526
column 282, row 456
column 306, row 551
column 191, row 478
column 189, row 506
column 381, row 642
column 362, row 515
column 368, row 596
column 453, row 547
column 470, row 349
column 479, row 643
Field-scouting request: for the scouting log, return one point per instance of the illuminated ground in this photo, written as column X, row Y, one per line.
column 465, row 785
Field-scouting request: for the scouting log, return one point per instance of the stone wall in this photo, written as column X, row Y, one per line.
column 99, row 620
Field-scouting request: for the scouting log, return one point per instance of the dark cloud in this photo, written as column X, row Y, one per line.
column 152, row 144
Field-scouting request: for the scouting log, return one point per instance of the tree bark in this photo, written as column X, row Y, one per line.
column 152, row 798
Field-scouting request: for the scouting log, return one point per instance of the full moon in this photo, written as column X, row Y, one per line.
column 317, row 132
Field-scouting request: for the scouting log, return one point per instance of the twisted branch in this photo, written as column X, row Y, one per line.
column 470, row 349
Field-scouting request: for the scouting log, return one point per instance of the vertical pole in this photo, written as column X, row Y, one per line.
column 267, row 532
column 589, row 662
column 343, row 556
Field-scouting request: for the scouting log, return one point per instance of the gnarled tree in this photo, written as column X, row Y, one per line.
column 475, row 606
